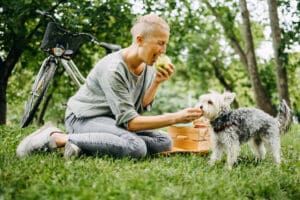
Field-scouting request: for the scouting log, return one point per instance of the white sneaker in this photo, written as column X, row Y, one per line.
column 71, row 150
column 40, row 140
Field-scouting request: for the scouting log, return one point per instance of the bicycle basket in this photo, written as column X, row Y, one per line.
column 56, row 36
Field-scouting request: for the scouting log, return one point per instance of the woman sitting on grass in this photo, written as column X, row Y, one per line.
column 104, row 116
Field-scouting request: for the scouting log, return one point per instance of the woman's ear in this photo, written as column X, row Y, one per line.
column 139, row 40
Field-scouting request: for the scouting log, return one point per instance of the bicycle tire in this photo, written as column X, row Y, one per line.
column 38, row 91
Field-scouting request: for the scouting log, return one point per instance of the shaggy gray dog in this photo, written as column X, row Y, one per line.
column 231, row 128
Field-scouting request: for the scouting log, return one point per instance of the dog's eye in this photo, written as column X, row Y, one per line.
column 210, row 102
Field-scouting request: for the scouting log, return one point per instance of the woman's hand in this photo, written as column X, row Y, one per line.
column 188, row 115
column 164, row 73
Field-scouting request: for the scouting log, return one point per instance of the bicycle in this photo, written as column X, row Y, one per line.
column 61, row 46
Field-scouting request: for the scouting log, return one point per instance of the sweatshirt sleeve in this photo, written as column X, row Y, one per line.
column 118, row 97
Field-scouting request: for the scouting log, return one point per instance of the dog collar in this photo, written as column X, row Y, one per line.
column 222, row 122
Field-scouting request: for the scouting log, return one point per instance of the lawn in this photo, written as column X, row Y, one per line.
column 180, row 176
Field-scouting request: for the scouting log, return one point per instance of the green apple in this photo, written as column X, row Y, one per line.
column 162, row 62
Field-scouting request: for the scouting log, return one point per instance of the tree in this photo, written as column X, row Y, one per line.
column 194, row 46
column 247, row 56
column 21, row 29
column 17, row 36
column 278, row 47
column 262, row 99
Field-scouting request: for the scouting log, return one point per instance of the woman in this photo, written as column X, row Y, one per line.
column 104, row 116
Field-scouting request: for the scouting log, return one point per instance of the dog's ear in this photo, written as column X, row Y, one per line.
column 228, row 97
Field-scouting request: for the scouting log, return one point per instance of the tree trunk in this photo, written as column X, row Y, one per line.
column 261, row 97
column 2, row 94
column 282, row 80
column 6, row 68
column 3, row 86
column 220, row 76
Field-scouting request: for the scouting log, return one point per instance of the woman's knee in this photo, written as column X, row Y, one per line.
column 136, row 146
column 160, row 142
column 139, row 152
column 165, row 143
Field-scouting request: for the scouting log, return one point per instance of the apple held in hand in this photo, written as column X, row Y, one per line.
column 162, row 62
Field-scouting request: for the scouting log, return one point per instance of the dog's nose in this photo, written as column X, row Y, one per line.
column 201, row 107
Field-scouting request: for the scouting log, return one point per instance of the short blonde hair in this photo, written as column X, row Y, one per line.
column 148, row 24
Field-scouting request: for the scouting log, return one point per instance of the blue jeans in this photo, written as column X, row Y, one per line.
column 100, row 135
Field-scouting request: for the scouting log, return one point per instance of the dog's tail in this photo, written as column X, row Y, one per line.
column 284, row 116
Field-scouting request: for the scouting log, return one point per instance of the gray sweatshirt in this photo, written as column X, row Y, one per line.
column 111, row 90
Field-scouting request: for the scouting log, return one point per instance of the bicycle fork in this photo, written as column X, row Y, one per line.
column 48, row 67
column 73, row 71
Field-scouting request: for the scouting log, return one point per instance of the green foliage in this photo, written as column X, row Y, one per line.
column 294, row 82
column 291, row 35
column 268, row 78
column 198, row 48
column 180, row 176
column 102, row 19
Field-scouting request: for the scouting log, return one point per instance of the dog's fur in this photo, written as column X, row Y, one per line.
column 231, row 128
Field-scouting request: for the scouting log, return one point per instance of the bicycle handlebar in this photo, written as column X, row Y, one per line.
column 112, row 47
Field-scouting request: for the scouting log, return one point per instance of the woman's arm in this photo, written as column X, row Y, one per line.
column 150, row 94
column 161, row 76
column 153, row 122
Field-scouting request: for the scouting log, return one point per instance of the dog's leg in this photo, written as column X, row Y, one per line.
column 233, row 151
column 273, row 143
column 254, row 148
column 275, row 149
column 258, row 148
column 262, row 151
column 217, row 150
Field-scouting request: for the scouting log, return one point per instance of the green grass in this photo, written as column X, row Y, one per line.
column 181, row 176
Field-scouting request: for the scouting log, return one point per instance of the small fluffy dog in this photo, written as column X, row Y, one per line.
column 231, row 128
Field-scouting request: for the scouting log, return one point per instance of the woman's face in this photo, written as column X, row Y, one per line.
column 152, row 46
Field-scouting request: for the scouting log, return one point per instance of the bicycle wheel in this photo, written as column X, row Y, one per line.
column 38, row 91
